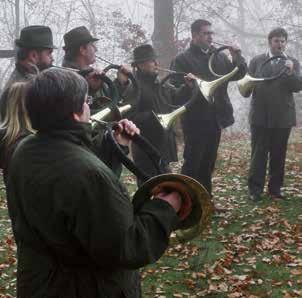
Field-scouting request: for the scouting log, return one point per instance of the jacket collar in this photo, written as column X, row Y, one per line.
column 147, row 78
column 24, row 72
column 76, row 132
column 269, row 54
column 198, row 50
column 70, row 64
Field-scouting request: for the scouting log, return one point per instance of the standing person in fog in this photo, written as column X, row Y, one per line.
column 272, row 115
column 203, row 123
column 153, row 97
column 80, row 54
column 34, row 53
column 76, row 233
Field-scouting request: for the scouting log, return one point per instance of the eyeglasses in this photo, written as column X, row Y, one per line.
column 89, row 100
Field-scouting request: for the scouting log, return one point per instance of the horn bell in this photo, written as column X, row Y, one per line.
column 247, row 84
column 208, row 88
column 167, row 120
column 192, row 193
column 109, row 114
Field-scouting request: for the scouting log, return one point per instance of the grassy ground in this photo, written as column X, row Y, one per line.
column 251, row 250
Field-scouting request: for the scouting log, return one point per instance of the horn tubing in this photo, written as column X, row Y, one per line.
column 167, row 120
column 130, row 76
column 104, row 60
column 159, row 163
column 248, row 83
column 98, row 117
column 215, row 53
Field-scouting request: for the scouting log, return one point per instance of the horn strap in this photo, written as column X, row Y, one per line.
column 159, row 163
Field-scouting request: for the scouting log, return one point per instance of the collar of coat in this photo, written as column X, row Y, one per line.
column 70, row 64
column 269, row 54
column 147, row 77
column 24, row 71
column 73, row 131
column 198, row 50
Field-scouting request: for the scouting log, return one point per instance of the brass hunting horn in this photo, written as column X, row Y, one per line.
column 167, row 120
column 131, row 77
column 196, row 210
column 248, row 83
column 207, row 88
column 110, row 113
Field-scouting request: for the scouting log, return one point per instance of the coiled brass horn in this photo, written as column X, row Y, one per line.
column 196, row 201
column 207, row 88
column 166, row 121
column 197, row 207
column 248, row 83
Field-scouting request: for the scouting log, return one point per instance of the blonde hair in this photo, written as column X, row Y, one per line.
column 16, row 119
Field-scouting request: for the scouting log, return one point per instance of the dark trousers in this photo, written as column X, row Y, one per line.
column 267, row 144
column 200, row 156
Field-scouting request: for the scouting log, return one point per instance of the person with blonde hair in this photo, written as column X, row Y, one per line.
column 15, row 125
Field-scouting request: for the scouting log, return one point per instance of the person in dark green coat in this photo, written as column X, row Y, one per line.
column 272, row 115
column 76, row 232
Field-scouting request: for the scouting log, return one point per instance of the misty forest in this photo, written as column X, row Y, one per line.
column 250, row 249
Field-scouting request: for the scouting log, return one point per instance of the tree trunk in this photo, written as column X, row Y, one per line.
column 163, row 35
column 241, row 22
column 17, row 15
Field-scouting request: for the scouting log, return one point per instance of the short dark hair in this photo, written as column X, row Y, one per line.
column 277, row 32
column 52, row 98
column 196, row 25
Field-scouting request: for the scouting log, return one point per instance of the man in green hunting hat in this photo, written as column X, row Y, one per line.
column 80, row 49
column 33, row 53
column 143, row 53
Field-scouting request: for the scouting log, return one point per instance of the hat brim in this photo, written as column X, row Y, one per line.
column 22, row 44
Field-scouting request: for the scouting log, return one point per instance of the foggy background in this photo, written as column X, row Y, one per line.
column 121, row 25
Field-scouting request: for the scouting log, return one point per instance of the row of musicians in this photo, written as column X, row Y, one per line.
column 272, row 112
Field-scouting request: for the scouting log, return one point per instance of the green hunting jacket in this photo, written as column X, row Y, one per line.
column 76, row 232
